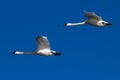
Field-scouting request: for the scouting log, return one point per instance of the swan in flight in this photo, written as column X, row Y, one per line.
column 92, row 19
column 43, row 48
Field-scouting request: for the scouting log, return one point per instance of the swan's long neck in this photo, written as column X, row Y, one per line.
column 19, row 52
column 75, row 24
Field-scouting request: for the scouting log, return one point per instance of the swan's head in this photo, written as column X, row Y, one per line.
column 68, row 24
column 17, row 52
column 103, row 23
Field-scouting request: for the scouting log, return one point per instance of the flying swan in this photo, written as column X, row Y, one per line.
column 43, row 48
column 92, row 19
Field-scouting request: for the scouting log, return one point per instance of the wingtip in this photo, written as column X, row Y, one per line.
column 41, row 37
column 89, row 12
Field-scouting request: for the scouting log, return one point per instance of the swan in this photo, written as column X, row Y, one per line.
column 43, row 48
column 92, row 19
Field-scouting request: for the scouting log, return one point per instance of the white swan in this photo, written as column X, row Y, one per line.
column 43, row 48
column 92, row 19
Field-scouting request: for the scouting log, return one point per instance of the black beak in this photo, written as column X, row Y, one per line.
column 13, row 52
column 108, row 24
column 57, row 54
column 65, row 25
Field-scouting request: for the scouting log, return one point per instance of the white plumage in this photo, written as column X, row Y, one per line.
column 92, row 19
column 43, row 48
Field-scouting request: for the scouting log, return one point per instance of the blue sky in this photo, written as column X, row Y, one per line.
column 87, row 52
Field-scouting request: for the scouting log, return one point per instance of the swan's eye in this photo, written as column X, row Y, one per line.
column 103, row 23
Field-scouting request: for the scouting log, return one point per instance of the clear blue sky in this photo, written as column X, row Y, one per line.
column 87, row 52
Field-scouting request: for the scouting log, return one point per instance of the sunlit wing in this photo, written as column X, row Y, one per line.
column 92, row 15
column 43, row 43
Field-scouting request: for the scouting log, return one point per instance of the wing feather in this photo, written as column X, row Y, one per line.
column 43, row 43
column 92, row 15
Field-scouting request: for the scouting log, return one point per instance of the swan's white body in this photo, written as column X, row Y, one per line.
column 42, row 49
column 92, row 19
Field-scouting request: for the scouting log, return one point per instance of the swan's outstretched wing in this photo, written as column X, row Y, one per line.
column 92, row 15
column 43, row 43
